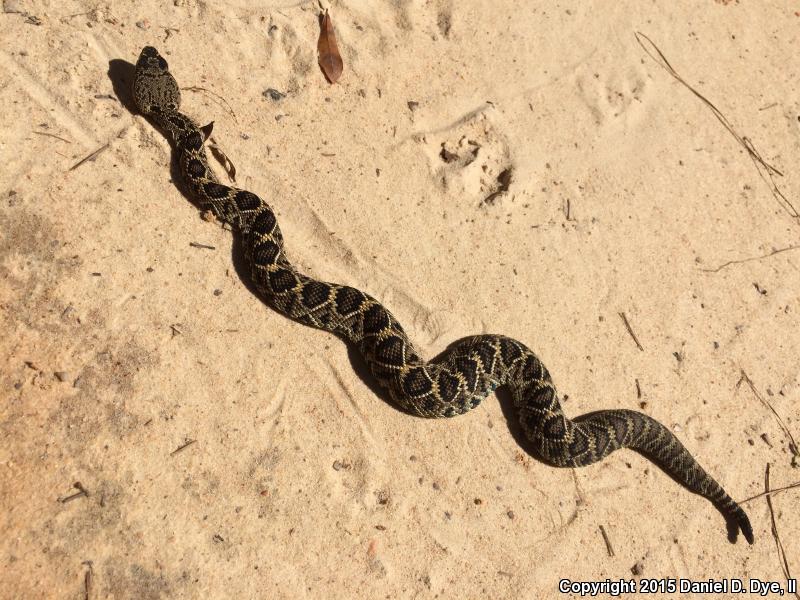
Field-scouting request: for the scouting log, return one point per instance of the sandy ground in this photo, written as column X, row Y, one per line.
column 122, row 342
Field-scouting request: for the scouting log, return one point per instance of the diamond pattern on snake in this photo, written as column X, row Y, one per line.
column 456, row 381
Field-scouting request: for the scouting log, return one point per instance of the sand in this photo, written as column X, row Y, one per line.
column 481, row 166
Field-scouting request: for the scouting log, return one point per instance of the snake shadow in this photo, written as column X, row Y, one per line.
column 121, row 74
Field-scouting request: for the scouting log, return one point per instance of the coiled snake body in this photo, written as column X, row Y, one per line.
column 456, row 381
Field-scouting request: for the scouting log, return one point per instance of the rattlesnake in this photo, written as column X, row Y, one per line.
column 450, row 385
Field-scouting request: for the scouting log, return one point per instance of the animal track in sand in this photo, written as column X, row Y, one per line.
column 410, row 14
column 470, row 159
column 615, row 98
column 288, row 52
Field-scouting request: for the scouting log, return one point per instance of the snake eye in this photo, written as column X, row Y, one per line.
column 162, row 64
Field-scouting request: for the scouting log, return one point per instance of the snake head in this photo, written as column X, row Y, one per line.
column 154, row 88
column 149, row 58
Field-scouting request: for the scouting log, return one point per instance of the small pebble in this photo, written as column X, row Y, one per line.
column 61, row 375
column 448, row 156
column 511, row 515
column 218, row 292
column 273, row 94
column 143, row 24
column 638, row 568
column 338, row 465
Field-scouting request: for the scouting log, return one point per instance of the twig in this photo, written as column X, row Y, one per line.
column 92, row 156
column 168, row 32
column 771, row 492
column 609, row 547
column 630, row 330
column 52, row 135
column 765, row 402
column 87, row 580
column 227, row 106
column 199, row 245
column 183, row 447
column 744, row 141
column 778, row 543
column 79, row 494
column 752, row 258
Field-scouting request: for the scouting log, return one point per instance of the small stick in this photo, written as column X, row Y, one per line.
column 92, row 156
column 87, row 581
column 774, row 527
column 792, row 443
column 81, row 492
column 505, row 573
column 771, row 492
column 752, row 258
column 630, row 330
column 609, row 548
column 183, row 447
column 196, row 88
column 52, row 135
column 168, row 32
column 199, row 245
column 768, row 172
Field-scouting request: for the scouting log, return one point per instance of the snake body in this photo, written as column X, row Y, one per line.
column 450, row 385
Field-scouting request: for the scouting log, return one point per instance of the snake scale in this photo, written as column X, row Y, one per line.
column 450, row 385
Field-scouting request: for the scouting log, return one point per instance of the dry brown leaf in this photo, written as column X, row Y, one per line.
column 223, row 159
column 330, row 61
